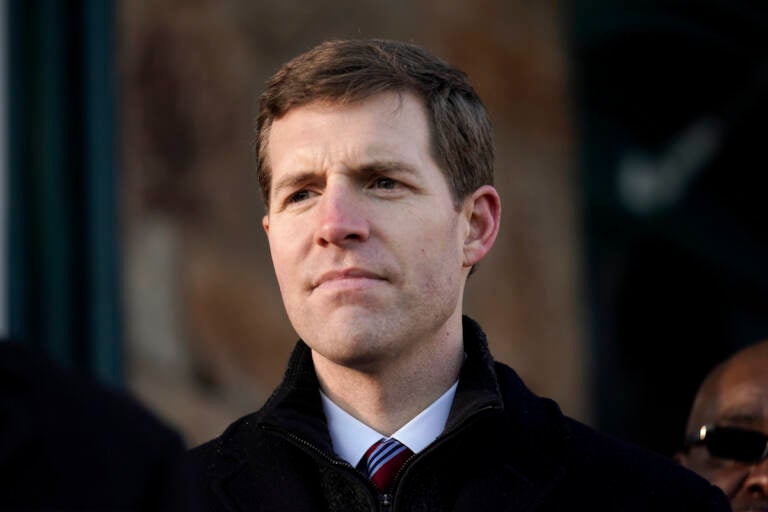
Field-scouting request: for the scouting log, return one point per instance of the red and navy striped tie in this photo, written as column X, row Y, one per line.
column 383, row 460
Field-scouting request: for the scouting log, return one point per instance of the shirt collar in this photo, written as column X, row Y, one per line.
column 351, row 437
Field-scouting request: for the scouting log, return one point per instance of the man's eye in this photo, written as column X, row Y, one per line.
column 299, row 196
column 384, row 183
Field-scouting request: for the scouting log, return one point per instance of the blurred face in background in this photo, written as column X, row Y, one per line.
column 731, row 415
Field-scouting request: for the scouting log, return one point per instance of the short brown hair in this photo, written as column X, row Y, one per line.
column 350, row 70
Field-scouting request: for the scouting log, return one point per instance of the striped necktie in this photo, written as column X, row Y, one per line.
column 383, row 460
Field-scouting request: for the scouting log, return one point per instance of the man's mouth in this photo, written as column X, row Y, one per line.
column 348, row 278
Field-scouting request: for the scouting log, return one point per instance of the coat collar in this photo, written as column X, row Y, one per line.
column 535, row 432
column 296, row 405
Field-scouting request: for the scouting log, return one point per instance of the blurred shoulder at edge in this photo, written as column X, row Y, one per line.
column 70, row 443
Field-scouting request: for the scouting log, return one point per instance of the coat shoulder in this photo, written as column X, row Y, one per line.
column 626, row 471
column 221, row 452
column 197, row 475
column 598, row 468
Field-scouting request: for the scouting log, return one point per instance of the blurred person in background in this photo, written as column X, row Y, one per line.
column 727, row 432
column 375, row 160
column 69, row 443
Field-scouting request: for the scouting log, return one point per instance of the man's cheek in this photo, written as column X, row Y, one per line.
column 724, row 475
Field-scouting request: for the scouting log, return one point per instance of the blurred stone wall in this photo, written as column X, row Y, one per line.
column 207, row 335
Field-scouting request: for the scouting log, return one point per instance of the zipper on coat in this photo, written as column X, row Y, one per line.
column 385, row 502
column 303, row 442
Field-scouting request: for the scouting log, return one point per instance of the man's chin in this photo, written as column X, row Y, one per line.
column 350, row 322
column 356, row 353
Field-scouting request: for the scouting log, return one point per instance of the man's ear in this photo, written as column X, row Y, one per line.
column 265, row 223
column 483, row 210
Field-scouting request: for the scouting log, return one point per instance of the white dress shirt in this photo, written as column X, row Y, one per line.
column 351, row 437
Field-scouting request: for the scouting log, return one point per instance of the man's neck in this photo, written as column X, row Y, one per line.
column 386, row 397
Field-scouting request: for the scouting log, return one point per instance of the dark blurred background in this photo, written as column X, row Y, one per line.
column 670, row 100
column 630, row 163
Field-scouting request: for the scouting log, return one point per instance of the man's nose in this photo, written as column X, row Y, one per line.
column 757, row 479
column 343, row 216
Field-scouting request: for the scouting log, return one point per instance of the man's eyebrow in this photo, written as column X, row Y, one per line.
column 293, row 180
column 738, row 416
column 380, row 166
column 367, row 169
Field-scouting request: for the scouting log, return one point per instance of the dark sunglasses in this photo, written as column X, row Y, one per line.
column 730, row 443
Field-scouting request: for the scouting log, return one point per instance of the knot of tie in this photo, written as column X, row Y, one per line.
column 383, row 459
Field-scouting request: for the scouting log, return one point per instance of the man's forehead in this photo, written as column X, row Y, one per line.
column 384, row 126
column 744, row 405
column 738, row 396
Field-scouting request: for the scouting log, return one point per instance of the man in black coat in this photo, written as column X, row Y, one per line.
column 375, row 161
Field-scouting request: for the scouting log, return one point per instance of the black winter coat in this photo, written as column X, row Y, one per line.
column 503, row 449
